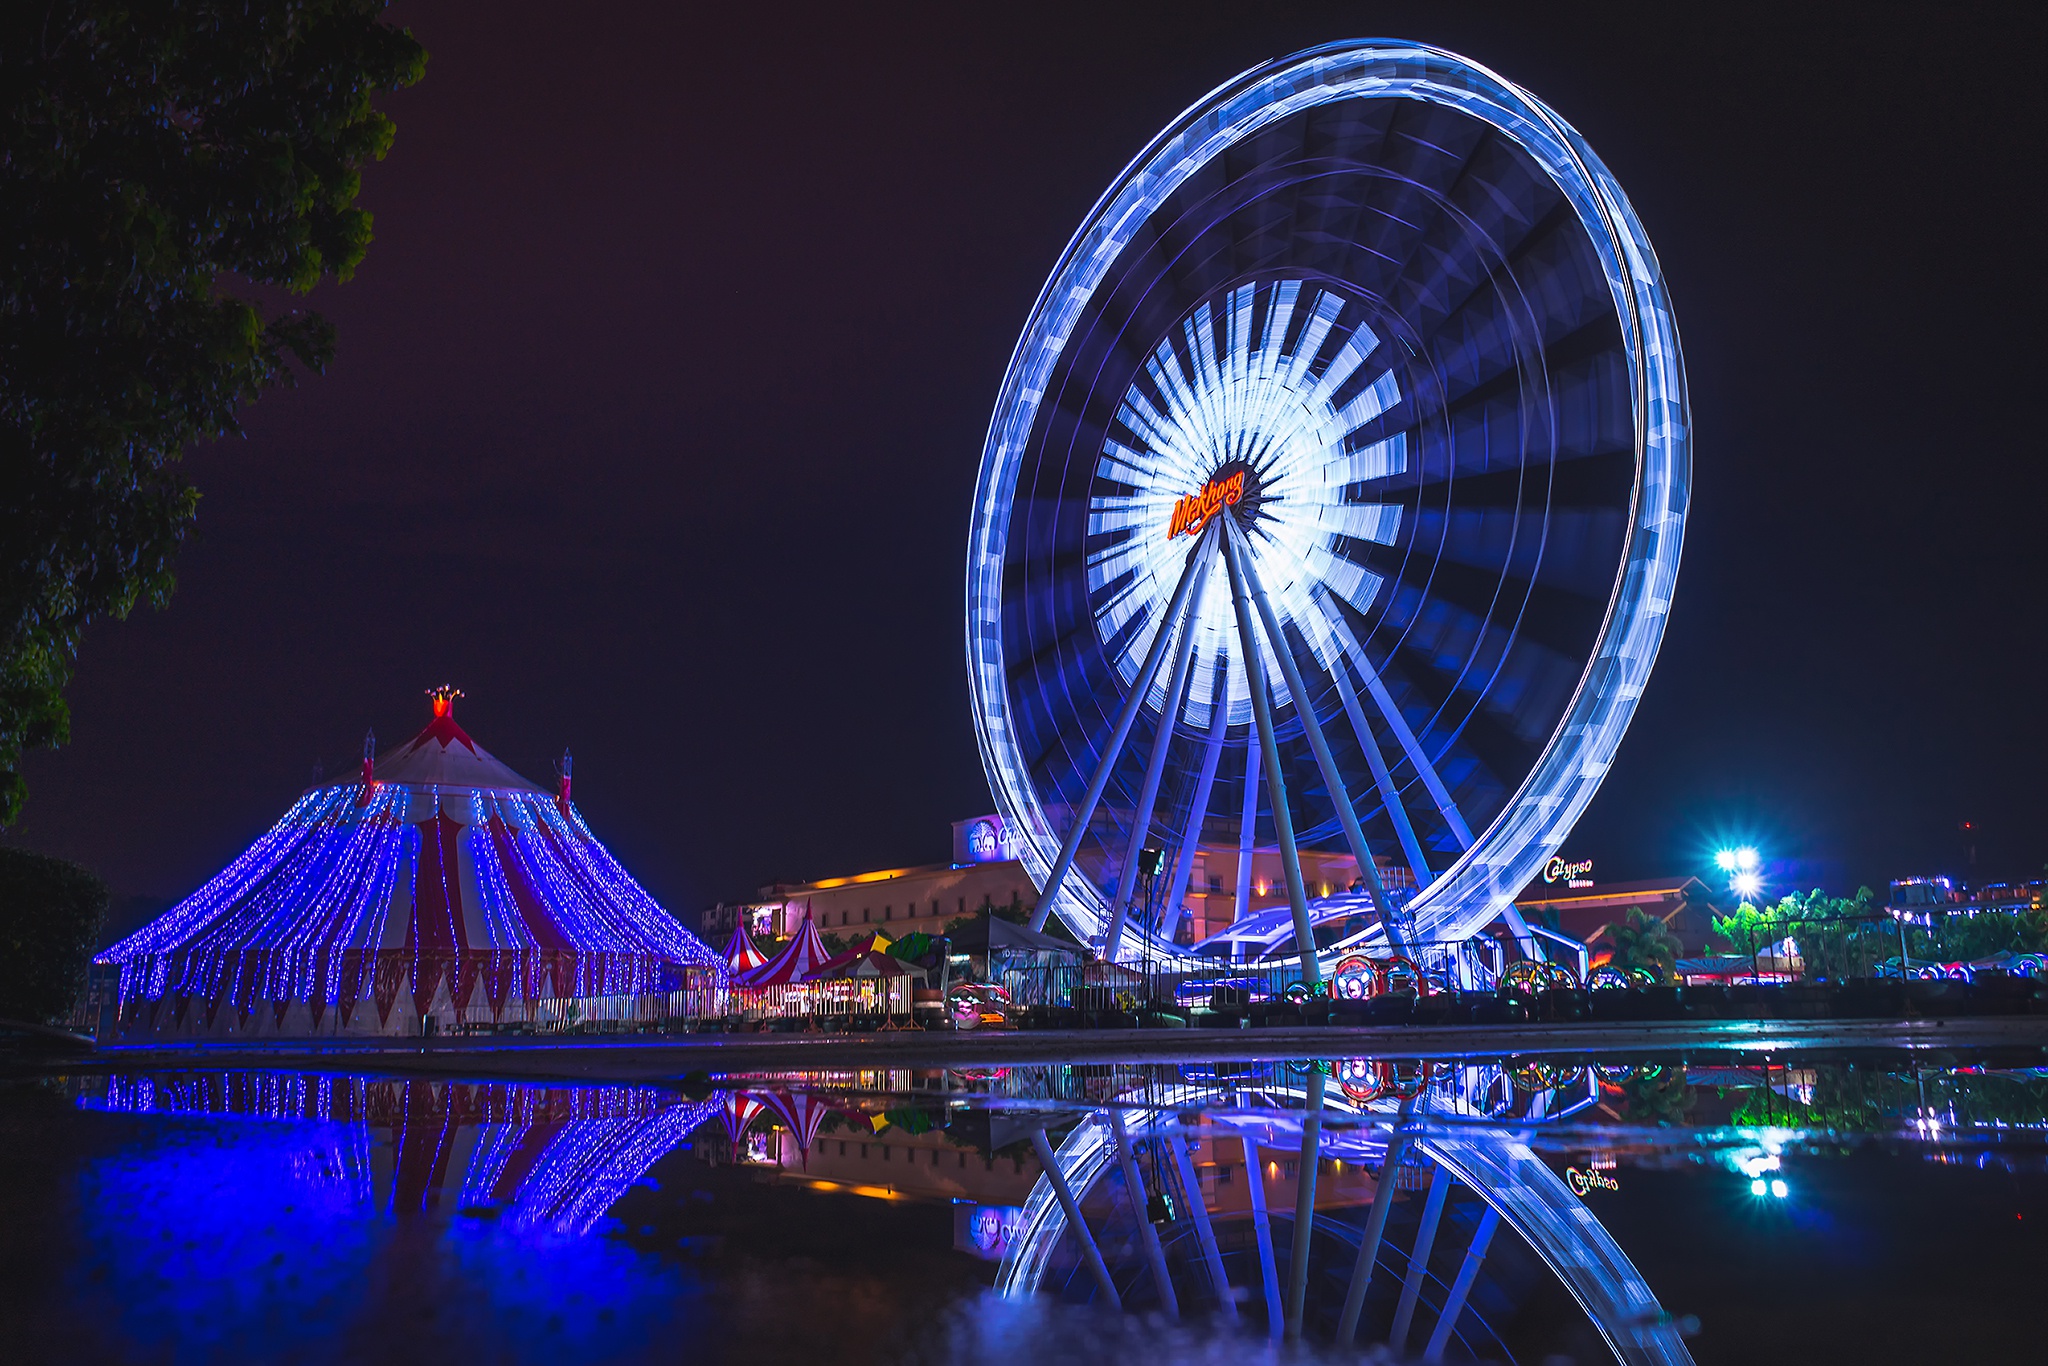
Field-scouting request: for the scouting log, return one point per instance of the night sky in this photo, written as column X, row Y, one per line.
column 661, row 394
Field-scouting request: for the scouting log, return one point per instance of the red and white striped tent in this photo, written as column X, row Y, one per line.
column 436, row 883
column 742, row 954
column 800, row 1113
column 797, row 963
column 737, row 1112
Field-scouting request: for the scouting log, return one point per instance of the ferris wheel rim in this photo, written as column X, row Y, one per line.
column 1638, row 599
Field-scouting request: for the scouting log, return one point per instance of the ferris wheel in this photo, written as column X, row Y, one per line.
column 1330, row 511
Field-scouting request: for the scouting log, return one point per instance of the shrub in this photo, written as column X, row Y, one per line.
column 50, row 914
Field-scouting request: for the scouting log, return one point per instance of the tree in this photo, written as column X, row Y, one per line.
column 1641, row 940
column 1837, row 936
column 150, row 154
column 50, row 913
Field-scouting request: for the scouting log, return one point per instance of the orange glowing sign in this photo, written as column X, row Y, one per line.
column 1196, row 510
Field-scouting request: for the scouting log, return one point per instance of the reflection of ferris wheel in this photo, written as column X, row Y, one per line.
column 1331, row 506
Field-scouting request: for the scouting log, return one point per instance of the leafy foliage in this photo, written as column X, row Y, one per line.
column 50, row 914
column 153, row 152
column 1642, row 940
column 1838, row 936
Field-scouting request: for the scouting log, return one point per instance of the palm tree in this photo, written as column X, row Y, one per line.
column 1641, row 940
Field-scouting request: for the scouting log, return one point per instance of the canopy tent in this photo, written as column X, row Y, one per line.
column 993, row 933
column 798, row 962
column 437, row 876
column 870, row 965
column 741, row 953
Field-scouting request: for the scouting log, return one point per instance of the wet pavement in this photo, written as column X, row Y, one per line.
column 1712, row 1205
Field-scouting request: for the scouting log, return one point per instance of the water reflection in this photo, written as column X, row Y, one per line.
column 1469, row 1209
column 552, row 1160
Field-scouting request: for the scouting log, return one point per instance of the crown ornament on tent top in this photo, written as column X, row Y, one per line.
column 443, row 755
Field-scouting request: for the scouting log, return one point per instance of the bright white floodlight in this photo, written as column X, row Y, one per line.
column 1746, row 859
column 1745, row 885
column 1725, row 860
column 1779, row 1189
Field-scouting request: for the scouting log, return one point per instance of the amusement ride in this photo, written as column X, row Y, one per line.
column 1331, row 506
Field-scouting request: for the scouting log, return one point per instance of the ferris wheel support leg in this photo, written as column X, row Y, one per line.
column 1305, row 1171
column 1090, row 1253
column 1418, row 1259
column 1375, row 1228
column 1382, row 777
column 1191, row 1191
column 1262, row 1230
column 1340, row 795
column 1134, row 1188
column 1411, row 746
column 1276, row 784
column 1191, row 833
column 1468, row 1274
column 1262, row 713
column 1155, row 765
column 1247, row 835
column 1140, row 686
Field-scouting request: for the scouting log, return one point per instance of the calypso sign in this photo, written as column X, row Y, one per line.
column 1578, row 874
column 1589, row 1180
column 1196, row 510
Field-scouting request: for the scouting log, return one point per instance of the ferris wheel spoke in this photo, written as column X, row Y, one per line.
column 1155, row 763
column 1333, row 777
column 1191, row 831
column 1114, row 748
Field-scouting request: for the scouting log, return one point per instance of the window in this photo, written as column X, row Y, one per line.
column 1215, row 882
column 865, row 912
column 963, row 905
column 888, row 912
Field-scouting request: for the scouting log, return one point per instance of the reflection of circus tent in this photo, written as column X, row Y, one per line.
column 553, row 1159
column 1365, row 1260
column 798, row 1112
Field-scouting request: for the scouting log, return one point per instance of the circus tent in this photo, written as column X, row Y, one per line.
column 437, row 879
column 741, row 953
column 798, row 962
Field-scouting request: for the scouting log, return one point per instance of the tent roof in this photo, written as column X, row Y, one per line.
column 742, row 954
column 443, row 755
column 867, row 965
column 992, row 932
column 798, row 962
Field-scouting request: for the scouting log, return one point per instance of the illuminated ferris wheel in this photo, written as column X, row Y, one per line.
column 1330, row 511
